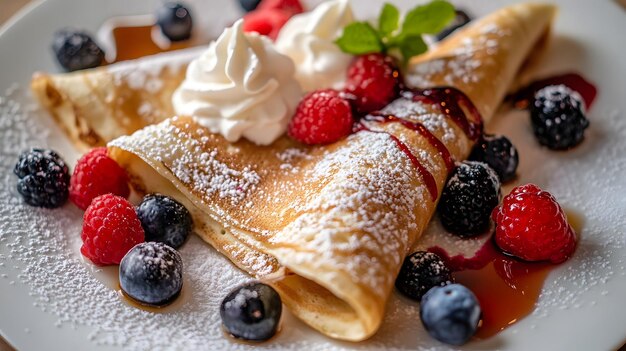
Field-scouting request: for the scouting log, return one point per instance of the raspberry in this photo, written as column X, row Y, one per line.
column 374, row 80
column 531, row 225
column 266, row 22
column 110, row 229
column 322, row 117
column 97, row 174
column 292, row 7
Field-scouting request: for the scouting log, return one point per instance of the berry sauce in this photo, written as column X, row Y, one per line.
column 574, row 81
column 418, row 127
column 431, row 184
column 507, row 288
column 453, row 103
column 133, row 42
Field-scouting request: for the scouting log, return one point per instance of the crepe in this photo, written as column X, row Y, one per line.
column 97, row 105
column 329, row 226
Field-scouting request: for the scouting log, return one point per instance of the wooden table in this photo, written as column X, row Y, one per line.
column 7, row 9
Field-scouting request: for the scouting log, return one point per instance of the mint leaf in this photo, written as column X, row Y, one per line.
column 388, row 20
column 412, row 46
column 359, row 38
column 428, row 19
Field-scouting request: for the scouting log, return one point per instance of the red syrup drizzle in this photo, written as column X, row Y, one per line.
column 431, row 184
column 574, row 81
column 507, row 288
column 421, row 129
column 451, row 101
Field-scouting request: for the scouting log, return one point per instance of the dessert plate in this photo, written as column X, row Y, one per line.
column 53, row 299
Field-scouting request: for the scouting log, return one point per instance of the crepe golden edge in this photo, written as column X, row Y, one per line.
column 95, row 106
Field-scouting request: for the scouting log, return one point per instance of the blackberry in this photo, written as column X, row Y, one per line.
column 152, row 274
column 499, row 153
column 420, row 272
column 460, row 19
column 164, row 220
column 175, row 22
column 450, row 313
column 251, row 312
column 470, row 195
column 249, row 5
column 44, row 178
column 76, row 50
column 558, row 118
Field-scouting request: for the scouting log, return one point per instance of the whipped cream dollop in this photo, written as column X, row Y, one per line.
column 308, row 39
column 241, row 86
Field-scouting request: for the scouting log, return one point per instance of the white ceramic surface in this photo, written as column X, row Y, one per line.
column 582, row 307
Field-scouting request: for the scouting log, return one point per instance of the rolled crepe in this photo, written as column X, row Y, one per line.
column 329, row 226
column 97, row 105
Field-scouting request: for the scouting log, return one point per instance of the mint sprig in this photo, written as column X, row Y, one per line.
column 359, row 38
column 389, row 20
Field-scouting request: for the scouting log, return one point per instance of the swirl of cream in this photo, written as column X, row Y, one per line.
column 309, row 39
column 240, row 86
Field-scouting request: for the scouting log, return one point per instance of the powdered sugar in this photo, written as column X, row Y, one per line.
column 554, row 94
column 462, row 65
column 240, row 299
column 143, row 73
column 39, row 251
column 359, row 198
column 414, row 111
column 192, row 165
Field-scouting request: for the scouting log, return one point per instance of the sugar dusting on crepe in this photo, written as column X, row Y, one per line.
column 39, row 249
column 461, row 66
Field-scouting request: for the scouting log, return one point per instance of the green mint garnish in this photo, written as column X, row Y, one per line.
column 431, row 18
column 360, row 38
column 389, row 20
column 412, row 46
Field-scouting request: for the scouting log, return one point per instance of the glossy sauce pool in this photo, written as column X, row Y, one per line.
column 133, row 42
column 507, row 288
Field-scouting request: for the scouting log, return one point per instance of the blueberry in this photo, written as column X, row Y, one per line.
column 450, row 313
column 557, row 117
column 249, row 5
column 499, row 153
column 152, row 274
column 468, row 198
column 251, row 312
column 421, row 271
column 76, row 50
column 164, row 220
column 175, row 21
column 43, row 178
column 460, row 19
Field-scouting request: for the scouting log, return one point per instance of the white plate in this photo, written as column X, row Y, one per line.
column 52, row 299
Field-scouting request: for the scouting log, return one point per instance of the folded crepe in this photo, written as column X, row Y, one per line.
column 329, row 226
column 97, row 105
